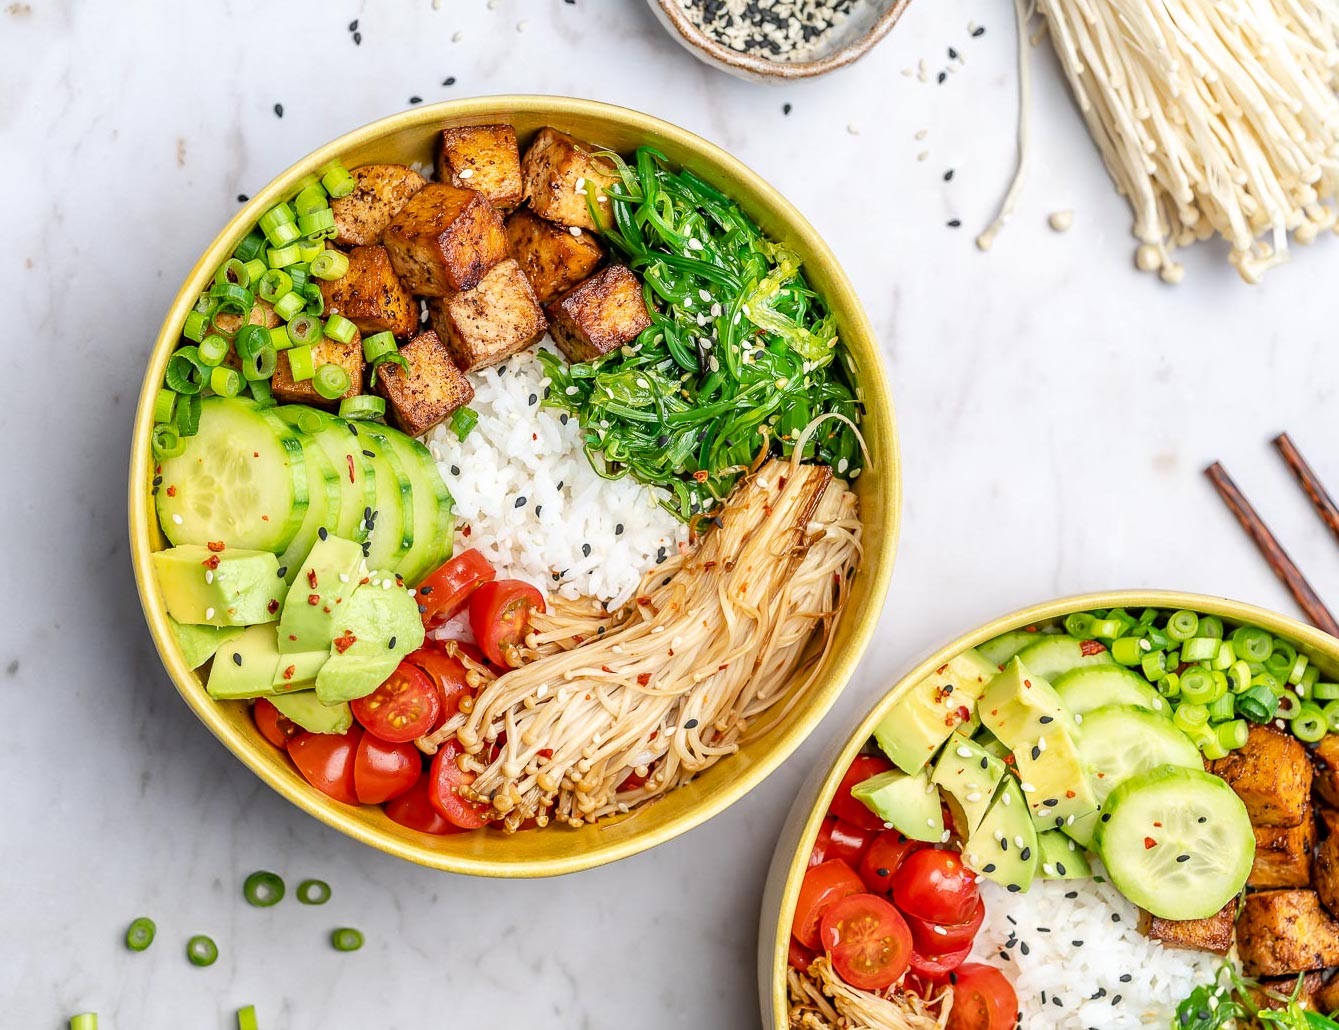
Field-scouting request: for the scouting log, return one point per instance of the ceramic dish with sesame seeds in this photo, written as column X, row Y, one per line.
column 1097, row 812
column 519, row 515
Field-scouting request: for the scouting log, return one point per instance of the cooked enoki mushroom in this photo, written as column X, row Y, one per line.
column 821, row 1000
column 666, row 686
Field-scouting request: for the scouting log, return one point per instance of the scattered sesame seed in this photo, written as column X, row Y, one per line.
column 278, row 110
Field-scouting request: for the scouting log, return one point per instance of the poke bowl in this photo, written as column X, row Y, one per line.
column 1113, row 810
column 514, row 484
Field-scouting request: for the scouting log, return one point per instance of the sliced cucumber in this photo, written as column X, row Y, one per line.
column 1052, row 655
column 1177, row 842
column 392, row 532
column 1096, row 686
column 241, row 480
column 322, row 511
column 998, row 650
column 357, row 475
column 434, row 521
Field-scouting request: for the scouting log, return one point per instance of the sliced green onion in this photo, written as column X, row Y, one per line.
column 1197, row 685
column 232, row 271
column 310, row 199
column 1211, row 626
column 1182, row 625
column 315, row 299
column 1310, row 724
column 1154, row 665
column 313, row 892
column 318, row 224
column 202, row 951
column 378, row 345
column 1107, row 629
column 1170, row 685
column 1290, row 705
column 1239, row 677
column 337, row 180
column 263, row 889
column 261, row 365
column 1325, row 691
column 261, row 391
column 463, row 422
column 1331, row 711
column 1258, row 704
column 84, row 1021
column 279, row 225
column 213, row 349
column 225, row 381
column 166, row 441
column 250, row 341
column 311, row 422
column 362, row 407
column 1077, row 624
column 234, row 298
column 274, row 284
column 251, row 247
column 1199, row 649
column 1190, row 717
column 1128, row 650
column 1311, row 675
column 346, row 938
column 1298, row 669
column 195, row 325
column 1221, row 709
column 1225, row 656
column 301, row 273
column 339, row 328
column 1252, row 644
column 331, row 381
column 186, row 373
column 1206, row 739
column 301, row 365
column 255, row 268
column 246, row 1018
column 305, row 330
column 140, row 933
column 309, row 249
column 165, row 405
column 1268, row 681
column 289, row 304
column 282, row 257
column 1232, row 735
column 329, row 265
column 279, row 339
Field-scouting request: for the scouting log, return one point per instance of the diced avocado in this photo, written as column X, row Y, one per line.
column 973, row 723
column 373, row 631
column 1084, row 828
column 1057, row 653
column 1018, row 706
column 1053, row 780
column 992, row 744
column 245, row 667
column 970, row 775
column 1061, row 858
column 932, row 709
column 908, row 803
column 203, row 587
column 198, row 643
column 328, row 577
column 999, row 650
column 297, row 671
column 307, row 711
column 1004, row 846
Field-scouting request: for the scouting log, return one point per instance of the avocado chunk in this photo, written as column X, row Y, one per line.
column 1061, row 858
column 297, row 670
column 234, row 587
column 304, row 709
column 328, row 577
column 1004, row 847
column 969, row 774
column 932, row 709
column 245, row 667
column 198, row 643
column 373, row 631
column 909, row 803
column 1057, row 653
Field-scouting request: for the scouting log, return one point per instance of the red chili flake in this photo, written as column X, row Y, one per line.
column 172, row 491
column 722, row 668
column 1069, row 794
column 326, row 609
column 1030, row 629
column 313, row 599
column 701, row 475
column 273, row 607
column 264, row 518
column 288, row 673
column 1009, row 760
column 643, row 679
column 255, row 454
column 215, row 545
column 963, row 713
column 1028, row 684
column 465, row 531
column 212, row 562
column 605, row 668
column 534, row 436
column 1149, row 842
column 644, row 601
column 545, row 752
column 1091, row 647
column 292, row 637
column 940, row 671
column 311, row 578
column 349, row 458
column 344, row 641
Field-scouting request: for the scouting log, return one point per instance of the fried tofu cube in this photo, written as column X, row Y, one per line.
column 1327, row 818
column 1327, row 998
column 491, row 322
column 371, row 295
column 1272, row 776
column 1213, row 933
column 379, row 194
column 1325, row 758
column 1326, row 872
column 1273, row 992
column 1285, row 931
column 555, row 258
column 349, row 356
column 445, row 240
column 1283, row 855
column 484, row 158
column 562, row 175
column 428, row 390
column 599, row 315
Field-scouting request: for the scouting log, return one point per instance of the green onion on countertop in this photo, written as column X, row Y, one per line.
column 84, row 1021
column 346, row 938
column 202, row 951
column 263, row 889
column 246, row 1018
column 140, row 933
column 313, row 892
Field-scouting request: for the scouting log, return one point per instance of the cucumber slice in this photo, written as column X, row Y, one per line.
column 1177, row 842
column 357, row 475
column 434, row 521
column 392, row 533
column 1096, row 686
column 1052, row 655
column 1119, row 742
column 998, row 650
column 322, row 511
column 241, row 480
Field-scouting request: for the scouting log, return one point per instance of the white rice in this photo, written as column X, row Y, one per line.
column 1079, row 962
column 527, row 497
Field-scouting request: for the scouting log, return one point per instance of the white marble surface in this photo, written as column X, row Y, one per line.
column 1055, row 409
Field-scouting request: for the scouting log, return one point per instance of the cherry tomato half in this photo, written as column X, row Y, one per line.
column 850, row 809
column 934, row 969
column 414, row 810
column 444, row 593
column 938, row 939
column 799, row 957
column 884, row 857
column 837, row 839
column 404, row 707
column 382, row 770
column 326, row 761
column 444, row 780
column 823, row 884
column 447, row 674
column 500, row 616
column 934, row 885
column 868, row 941
column 274, row 726
column 983, row 999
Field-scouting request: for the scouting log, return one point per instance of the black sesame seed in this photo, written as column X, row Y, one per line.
column 952, row 54
column 422, row 609
column 369, row 454
column 1012, row 920
column 691, row 724
column 985, row 763
column 501, row 370
column 585, row 550
column 357, row 39
column 1202, row 819
column 450, row 80
column 390, row 645
column 278, row 110
column 1013, row 888
column 1036, row 752
column 1060, row 868
column 157, row 480
column 282, row 573
column 416, row 100
column 1126, row 978
column 1105, row 817
column 1024, row 948
column 520, row 502
column 955, row 223
column 942, row 77
column 1115, row 917
column 236, row 658
column 881, row 871
column 953, row 978
column 560, row 484
column 599, row 630
column 539, row 510
column 1057, row 1002
column 322, row 533
column 1071, row 895
column 980, row 30
column 455, row 470
column 1046, row 719
column 367, row 548
column 1116, row 1000
column 1051, row 802
column 242, row 198
column 989, row 867
column 618, row 530
column 1077, row 944
column 353, row 25
column 785, row 109
column 563, row 418
column 1025, row 854
column 1183, row 858
column 534, row 398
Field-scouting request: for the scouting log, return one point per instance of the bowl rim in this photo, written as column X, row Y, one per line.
column 875, row 391
column 802, row 825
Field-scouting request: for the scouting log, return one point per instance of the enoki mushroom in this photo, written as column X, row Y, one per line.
column 666, row 686
column 821, row 1000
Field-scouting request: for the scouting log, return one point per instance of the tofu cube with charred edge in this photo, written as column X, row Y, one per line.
column 1273, row 993
column 1272, row 776
column 1213, row 933
column 1327, row 998
column 484, row 158
column 1285, row 931
column 445, row 240
column 348, row 356
column 600, row 315
column 371, row 296
column 1326, row 873
column 1327, row 818
column 554, row 258
column 562, row 176
column 379, row 193
column 1325, row 758
column 1283, row 855
column 428, row 390
column 489, row 323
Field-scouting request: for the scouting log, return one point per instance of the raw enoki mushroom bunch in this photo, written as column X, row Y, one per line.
column 1214, row 117
column 668, row 685
column 821, row 1000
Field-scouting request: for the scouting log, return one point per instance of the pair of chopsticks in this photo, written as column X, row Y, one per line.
column 1284, row 567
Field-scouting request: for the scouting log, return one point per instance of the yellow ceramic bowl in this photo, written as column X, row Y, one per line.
column 791, row 858
column 409, row 137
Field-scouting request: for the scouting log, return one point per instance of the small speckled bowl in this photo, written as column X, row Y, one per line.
column 869, row 22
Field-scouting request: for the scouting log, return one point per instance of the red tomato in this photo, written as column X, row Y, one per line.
column 934, row 969
column 500, row 616
column 823, row 884
column 848, row 808
column 404, row 707
column 882, row 859
column 799, row 957
column 447, row 673
column 444, row 779
column 273, row 726
column 837, row 839
column 982, row 1000
column 382, row 771
column 326, row 761
column 413, row 809
column 868, row 941
column 934, row 885
column 939, row 939
column 444, row 593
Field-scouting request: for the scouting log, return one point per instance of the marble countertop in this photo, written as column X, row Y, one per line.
column 1055, row 409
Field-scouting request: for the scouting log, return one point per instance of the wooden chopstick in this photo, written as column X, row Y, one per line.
column 1310, row 482
column 1288, row 573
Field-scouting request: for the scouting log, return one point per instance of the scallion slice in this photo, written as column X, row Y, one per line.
column 346, row 938
column 1331, row 711
column 246, row 1018
column 1325, row 691
column 261, row 365
column 1078, row 624
column 1258, row 704
column 279, row 338
column 282, row 257
column 1310, row 724
column 330, row 265
column 313, row 892
column 140, row 933
column 315, row 299
column 309, row 249
column 255, row 268
column 364, row 407
column 378, row 345
column 164, row 405
column 1232, row 735
column 1182, row 625
column 188, row 414
column 186, row 373
column 337, row 180
column 301, row 365
column 250, row 341
column 263, row 889
column 289, row 305
column 232, row 271
column 305, row 330
column 310, row 199
column 251, row 247
column 166, row 441
column 301, row 273
column 339, row 328
column 195, row 325
column 331, row 381
column 84, row 1021
column 262, row 392
column 225, row 381
column 202, row 951
column 278, row 225
column 318, row 224
column 274, row 284
column 463, row 422
column 234, row 298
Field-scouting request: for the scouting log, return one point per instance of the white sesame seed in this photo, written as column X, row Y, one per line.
column 571, row 390
column 704, row 295
column 1027, row 787
column 575, row 230
column 209, row 576
column 465, row 173
column 694, row 244
column 964, row 751
column 940, row 930
column 209, row 613
column 177, row 519
column 929, row 822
